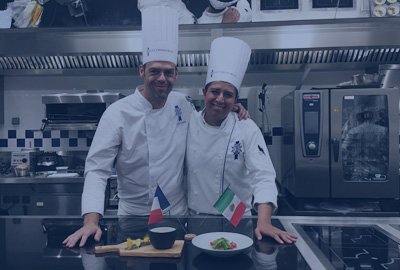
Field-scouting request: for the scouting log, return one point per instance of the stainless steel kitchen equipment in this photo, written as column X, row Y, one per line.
column 266, row 10
column 26, row 155
column 40, row 196
column 390, row 75
column 48, row 161
column 80, row 111
column 341, row 143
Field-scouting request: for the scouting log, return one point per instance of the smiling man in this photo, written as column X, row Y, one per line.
column 142, row 135
column 159, row 78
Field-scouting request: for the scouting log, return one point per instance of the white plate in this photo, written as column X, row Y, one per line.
column 202, row 241
column 61, row 175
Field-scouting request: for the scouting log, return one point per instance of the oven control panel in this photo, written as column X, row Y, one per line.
column 311, row 124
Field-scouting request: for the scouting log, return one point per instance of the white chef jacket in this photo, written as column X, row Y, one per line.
column 242, row 6
column 147, row 147
column 248, row 167
column 185, row 16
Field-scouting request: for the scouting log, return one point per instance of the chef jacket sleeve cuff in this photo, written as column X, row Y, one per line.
column 274, row 206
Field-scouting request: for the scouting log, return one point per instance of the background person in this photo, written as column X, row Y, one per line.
column 185, row 16
column 223, row 11
column 222, row 152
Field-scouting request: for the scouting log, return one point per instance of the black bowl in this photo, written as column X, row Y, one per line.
column 162, row 237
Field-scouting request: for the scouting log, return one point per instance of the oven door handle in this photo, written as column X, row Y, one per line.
column 335, row 148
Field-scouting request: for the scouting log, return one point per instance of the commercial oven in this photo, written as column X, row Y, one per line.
column 341, row 143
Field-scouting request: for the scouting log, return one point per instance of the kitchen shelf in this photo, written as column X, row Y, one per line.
column 293, row 45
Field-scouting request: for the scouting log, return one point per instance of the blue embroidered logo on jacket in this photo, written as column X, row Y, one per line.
column 237, row 149
column 178, row 113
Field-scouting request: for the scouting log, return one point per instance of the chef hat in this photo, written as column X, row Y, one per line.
column 229, row 58
column 160, row 34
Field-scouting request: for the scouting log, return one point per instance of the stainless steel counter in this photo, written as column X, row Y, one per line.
column 41, row 180
column 40, row 195
column 333, row 243
column 347, row 242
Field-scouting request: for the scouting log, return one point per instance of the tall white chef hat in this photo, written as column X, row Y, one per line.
column 229, row 58
column 160, row 34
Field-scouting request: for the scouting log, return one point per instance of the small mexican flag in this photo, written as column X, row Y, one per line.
column 230, row 206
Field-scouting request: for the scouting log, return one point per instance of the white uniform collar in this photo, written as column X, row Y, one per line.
column 223, row 124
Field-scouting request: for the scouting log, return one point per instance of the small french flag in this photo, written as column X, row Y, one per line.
column 160, row 203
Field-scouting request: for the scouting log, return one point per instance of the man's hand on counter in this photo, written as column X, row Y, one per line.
column 90, row 227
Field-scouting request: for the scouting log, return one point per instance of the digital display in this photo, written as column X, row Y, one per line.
column 332, row 3
column 311, row 122
column 279, row 4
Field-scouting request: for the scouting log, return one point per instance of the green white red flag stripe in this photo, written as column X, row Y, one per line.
column 230, row 206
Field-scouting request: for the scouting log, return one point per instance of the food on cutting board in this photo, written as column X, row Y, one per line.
column 137, row 243
column 223, row 244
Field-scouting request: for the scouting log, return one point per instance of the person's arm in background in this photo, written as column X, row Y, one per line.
column 241, row 12
column 232, row 15
column 244, row 10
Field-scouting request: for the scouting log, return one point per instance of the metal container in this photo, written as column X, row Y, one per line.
column 19, row 172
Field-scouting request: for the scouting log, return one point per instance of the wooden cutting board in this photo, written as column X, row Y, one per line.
column 145, row 251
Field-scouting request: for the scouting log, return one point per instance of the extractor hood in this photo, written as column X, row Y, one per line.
column 278, row 46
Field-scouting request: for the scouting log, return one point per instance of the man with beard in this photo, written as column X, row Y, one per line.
column 142, row 135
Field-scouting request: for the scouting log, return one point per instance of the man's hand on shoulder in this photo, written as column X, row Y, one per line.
column 243, row 114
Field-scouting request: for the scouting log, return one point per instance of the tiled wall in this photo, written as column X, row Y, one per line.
column 50, row 140
column 28, row 108
column 23, row 100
